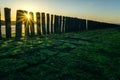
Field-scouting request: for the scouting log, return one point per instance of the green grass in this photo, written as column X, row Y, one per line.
column 87, row 55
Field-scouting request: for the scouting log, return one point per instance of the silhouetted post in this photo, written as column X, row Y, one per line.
column 43, row 23
column 76, row 25
column 71, row 24
column 57, row 31
column 82, row 24
column 0, row 26
column 60, row 20
column 48, row 23
column 19, row 17
column 32, row 24
column 8, row 22
column 26, row 23
column 92, row 25
column 38, row 23
column 67, row 24
column 64, row 22
column 86, row 24
column 56, row 24
column 52, row 27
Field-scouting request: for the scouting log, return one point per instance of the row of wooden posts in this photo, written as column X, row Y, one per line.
column 48, row 24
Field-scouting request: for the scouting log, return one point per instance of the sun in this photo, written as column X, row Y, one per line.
column 27, row 16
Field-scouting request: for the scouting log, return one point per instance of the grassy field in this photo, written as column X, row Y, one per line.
column 87, row 55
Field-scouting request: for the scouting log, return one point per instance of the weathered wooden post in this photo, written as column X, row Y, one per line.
column 64, row 22
column 19, row 17
column 0, row 26
column 52, row 27
column 71, row 25
column 43, row 23
column 8, row 22
column 76, row 25
column 67, row 24
column 32, row 24
column 56, row 24
column 60, row 22
column 48, row 24
column 82, row 24
column 86, row 24
column 26, row 23
column 38, row 23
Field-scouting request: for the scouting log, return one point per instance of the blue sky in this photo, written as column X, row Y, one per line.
column 100, row 10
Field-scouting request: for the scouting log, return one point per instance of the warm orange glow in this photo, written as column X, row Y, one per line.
column 27, row 16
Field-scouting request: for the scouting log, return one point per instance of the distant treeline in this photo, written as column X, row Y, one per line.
column 12, row 22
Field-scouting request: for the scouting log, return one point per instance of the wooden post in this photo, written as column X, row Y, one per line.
column 48, row 23
column 67, row 24
column 77, row 24
column 32, row 24
column 52, row 28
column 86, row 24
column 64, row 22
column 58, row 17
column 38, row 23
column 0, row 26
column 19, row 23
column 60, row 22
column 43, row 23
column 8, row 22
column 56, row 24
column 71, row 24
column 82, row 24
column 26, row 23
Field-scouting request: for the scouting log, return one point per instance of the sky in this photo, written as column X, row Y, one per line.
column 99, row 10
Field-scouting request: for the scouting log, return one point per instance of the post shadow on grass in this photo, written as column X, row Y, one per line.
column 7, row 14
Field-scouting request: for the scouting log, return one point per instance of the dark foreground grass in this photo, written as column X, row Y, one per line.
column 87, row 55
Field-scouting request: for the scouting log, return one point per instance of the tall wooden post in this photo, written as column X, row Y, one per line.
column 38, row 23
column 19, row 23
column 60, row 20
column 67, row 24
column 48, row 24
column 43, row 23
column 82, row 24
column 76, row 25
column 86, row 24
column 8, row 22
column 64, row 22
column 0, row 26
column 52, row 27
column 56, row 24
column 26, row 23
column 32, row 24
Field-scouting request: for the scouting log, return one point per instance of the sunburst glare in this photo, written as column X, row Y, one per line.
column 27, row 16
